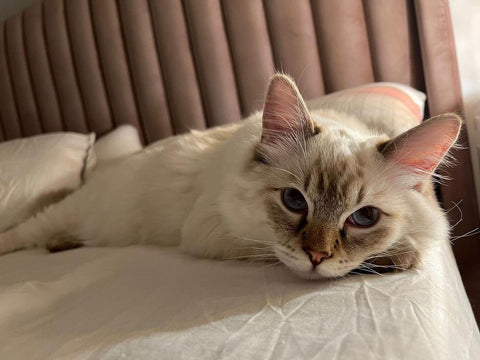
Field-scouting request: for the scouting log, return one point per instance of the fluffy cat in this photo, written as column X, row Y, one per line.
column 316, row 190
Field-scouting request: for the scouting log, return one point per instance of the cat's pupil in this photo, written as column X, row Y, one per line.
column 294, row 200
column 365, row 217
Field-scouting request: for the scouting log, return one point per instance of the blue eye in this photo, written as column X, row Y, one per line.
column 364, row 217
column 294, row 200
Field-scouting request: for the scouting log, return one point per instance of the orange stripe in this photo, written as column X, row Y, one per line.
column 397, row 94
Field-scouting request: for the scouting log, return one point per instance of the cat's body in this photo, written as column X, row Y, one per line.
column 221, row 193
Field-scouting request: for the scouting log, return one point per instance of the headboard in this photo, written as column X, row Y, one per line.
column 168, row 66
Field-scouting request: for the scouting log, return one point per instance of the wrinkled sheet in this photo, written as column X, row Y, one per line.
column 156, row 303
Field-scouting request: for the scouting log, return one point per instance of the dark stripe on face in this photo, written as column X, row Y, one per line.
column 302, row 224
column 361, row 195
column 364, row 241
column 282, row 223
column 308, row 177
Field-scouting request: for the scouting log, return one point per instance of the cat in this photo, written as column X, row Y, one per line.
column 317, row 190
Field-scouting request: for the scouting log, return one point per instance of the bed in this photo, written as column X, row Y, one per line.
column 156, row 303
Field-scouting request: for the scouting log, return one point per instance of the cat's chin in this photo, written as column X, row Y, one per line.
column 308, row 273
column 315, row 274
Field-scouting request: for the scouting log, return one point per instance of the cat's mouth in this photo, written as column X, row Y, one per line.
column 303, row 267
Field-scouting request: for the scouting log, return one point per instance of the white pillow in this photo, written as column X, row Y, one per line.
column 39, row 170
column 375, row 102
column 117, row 144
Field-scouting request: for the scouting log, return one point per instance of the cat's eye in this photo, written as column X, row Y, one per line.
column 294, row 200
column 365, row 217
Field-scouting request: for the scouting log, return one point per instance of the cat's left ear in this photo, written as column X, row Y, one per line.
column 285, row 115
column 421, row 149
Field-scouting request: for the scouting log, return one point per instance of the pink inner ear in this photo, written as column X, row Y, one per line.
column 423, row 147
column 284, row 112
column 427, row 164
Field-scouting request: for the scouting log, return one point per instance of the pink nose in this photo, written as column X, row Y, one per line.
column 316, row 257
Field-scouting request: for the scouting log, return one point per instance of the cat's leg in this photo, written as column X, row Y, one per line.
column 52, row 228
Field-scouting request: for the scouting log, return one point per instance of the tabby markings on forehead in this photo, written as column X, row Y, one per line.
column 308, row 177
column 361, row 194
column 335, row 182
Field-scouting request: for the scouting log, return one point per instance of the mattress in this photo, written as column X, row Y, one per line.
column 156, row 303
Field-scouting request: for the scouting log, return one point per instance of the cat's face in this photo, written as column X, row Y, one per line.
column 332, row 204
column 336, row 201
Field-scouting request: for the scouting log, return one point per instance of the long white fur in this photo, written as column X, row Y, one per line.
column 194, row 190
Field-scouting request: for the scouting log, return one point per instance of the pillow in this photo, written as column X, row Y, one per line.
column 402, row 105
column 117, row 144
column 37, row 171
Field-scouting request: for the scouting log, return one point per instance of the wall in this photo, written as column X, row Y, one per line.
column 466, row 27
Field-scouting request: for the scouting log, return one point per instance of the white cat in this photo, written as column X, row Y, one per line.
column 317, row 190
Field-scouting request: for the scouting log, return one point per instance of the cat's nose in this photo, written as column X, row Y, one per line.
column 316, row 257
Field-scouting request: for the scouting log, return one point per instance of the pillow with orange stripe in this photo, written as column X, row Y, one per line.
column 396, row 107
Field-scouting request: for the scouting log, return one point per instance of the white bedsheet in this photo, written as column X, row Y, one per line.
column 155, row 303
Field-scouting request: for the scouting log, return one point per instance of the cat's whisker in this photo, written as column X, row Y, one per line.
column 362, row 271
column 257, row 254
column 392, row 266
column 276, row 263
column 252, row 248
column 392, row 252
column 367, row 268
column 435, row 243
column 408, row 252
column 265, row 242
column 257, row 257
column 475, row 231
column 455, row 206
column 287, row 253
column 401, row 267
column 354, row 272
column 288, row 172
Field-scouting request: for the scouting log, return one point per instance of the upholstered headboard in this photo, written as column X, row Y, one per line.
column 167, row 66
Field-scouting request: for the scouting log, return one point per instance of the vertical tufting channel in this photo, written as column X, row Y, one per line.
column 212, row 61
column 10, row 121
column 40, row 73
column 90, row 83
column 250, row 49
column 394, row 42
column 112, row 58
column 62, row 66
column 19, row 72
column 294, row 44
column 343, row 42
column 145, row 68
column 178, row 69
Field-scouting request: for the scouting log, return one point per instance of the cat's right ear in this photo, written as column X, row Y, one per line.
column 285, row 115
column 421, row 149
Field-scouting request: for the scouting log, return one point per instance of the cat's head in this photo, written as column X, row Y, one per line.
column 337, row 199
